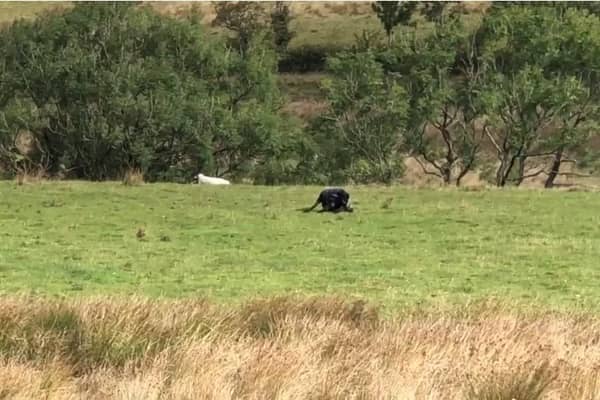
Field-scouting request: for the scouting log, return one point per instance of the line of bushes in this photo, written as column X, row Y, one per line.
column 306, row 58
column 102, row 89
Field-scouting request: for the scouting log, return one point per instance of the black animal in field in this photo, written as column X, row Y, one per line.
column 333, row 200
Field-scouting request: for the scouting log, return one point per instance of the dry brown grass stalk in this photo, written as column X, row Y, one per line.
column 133, row 177
column 291, row 348
column 25, row 176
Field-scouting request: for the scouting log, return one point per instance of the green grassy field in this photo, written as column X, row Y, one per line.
column 401, row 247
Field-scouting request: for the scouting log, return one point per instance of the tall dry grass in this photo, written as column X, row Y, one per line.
column 289, row 348
column 133, row 177
column 30, row 176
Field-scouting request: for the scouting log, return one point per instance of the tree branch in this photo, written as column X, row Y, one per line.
column 576, row 174
column 541, row 154
column 432, row 162
column 491, row 137
column 424, row 168
column 541, row 171
column 237, row 99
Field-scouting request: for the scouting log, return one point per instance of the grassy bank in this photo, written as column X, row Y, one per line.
column 290, row 348
column 323, row 23
column 401, row 247
column 314, row 23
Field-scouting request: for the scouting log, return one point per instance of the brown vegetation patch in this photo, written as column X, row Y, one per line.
column 133, row 177
column 291, row 348
column 33, row 176
column 306, row 110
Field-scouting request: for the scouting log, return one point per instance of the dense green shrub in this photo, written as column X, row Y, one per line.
column 359, row 137
column 109, row 87
column 280, row 25
column 104, row 88
column 307, row 58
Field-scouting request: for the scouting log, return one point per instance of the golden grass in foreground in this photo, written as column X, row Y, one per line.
column 287, row 348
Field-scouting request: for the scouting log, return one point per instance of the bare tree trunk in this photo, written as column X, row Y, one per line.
column 464, row 171
column 501, row 173
column 450, row 161
column 450, row 154
column 555, row 168
column 447, row 174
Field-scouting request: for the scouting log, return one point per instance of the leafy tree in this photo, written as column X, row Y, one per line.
column 576, row 119
column 280, row 23
column 360, row 136
column 536, row 116
column 433, row 11
column 439, row 11
column 547, row 55
column 520, row 107
column 577, row 72
column 392, row 13
column 245, row 18
column 443, row 134
column 106, row 87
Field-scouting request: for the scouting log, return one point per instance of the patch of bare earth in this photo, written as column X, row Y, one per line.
column 305, row 110
column 290, row 348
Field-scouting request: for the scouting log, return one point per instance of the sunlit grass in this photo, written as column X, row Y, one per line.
column 401, row 246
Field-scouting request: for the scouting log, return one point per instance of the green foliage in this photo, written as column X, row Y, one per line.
column 439, row 12
column 110, row 87
column 307, row 58
column 392, row 13
column 367, row 40
column 434, row 10
column 517, row 86
column 280, row 24
column 106, row 88
column 541, row 67
column 439, row 102
column 361, row 133
column 512, row 37
column 245, row 18
column 561, row 42
column 590, row 160
column 520, row 107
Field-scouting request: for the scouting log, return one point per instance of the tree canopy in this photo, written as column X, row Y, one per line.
column 107, row 87
column 103, row 88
